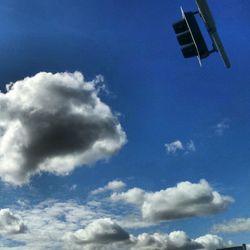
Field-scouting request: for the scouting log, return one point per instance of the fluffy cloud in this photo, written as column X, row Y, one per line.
column 185, row 200
column 54, row 123
column 111, row 186
column 233, row 226
column 10, row 223
column 212, row 242
column 178, row 146
column 102, row 231
column 177, row 240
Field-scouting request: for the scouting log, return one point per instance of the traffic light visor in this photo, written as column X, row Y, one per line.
column 189, row 51
column 180, row 26
column 185, row 38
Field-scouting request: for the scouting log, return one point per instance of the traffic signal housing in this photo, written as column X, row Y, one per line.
column 190, row 37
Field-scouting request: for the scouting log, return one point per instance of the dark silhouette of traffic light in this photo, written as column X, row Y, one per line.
column 190, row 37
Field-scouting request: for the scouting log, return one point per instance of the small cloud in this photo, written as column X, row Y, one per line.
column 11, row 223
column 73, row 187
column 99, row 232
column 173, row 147
column 233, row 226
column 211, row 242
column 221, row 127
column 111, row 186
column 177, row 146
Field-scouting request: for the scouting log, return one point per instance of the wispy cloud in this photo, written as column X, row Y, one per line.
column 54, row 123
column 178, row 146
column 221, row 127
column 48, row 221
column 236, row 225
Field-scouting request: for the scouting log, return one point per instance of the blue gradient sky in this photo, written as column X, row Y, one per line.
column 160, row 96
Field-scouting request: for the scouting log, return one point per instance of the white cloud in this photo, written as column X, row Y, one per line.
column 221, row 127
column 11, row 223
column 173, row 147
column 111, row 186
column 212, row 242
column 64, row 225
column 135, row 196
column 185, row 200
column 99, row 232
column 178, row 146
column 173, row 241
column 48, row 221
column 177, row 240
column 233, row 226
column 114, row 185
column 54, row 123
column 120, row 239
column 68, row 225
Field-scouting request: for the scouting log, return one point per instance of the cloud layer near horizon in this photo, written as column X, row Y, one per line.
column 72, row 226
column 54, row 123
column 106, row 234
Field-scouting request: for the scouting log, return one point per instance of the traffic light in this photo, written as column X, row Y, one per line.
column 190, row 37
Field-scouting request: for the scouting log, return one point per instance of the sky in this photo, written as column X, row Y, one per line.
column 110, row 139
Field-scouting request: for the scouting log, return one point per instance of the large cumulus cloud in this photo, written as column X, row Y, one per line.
column 53, row 123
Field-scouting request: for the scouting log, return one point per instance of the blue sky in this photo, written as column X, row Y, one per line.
column 153, row 99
